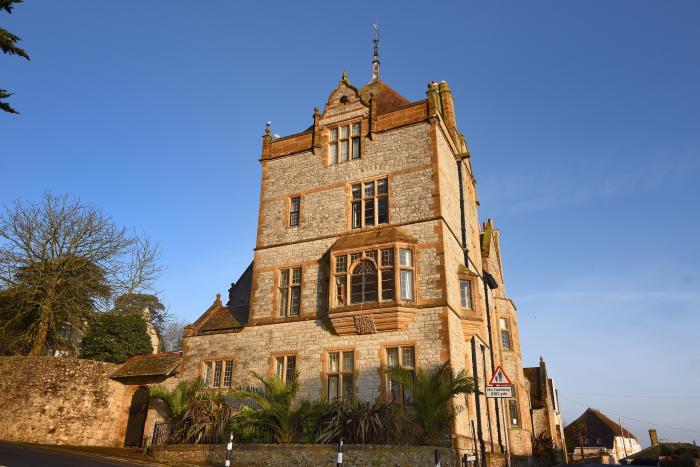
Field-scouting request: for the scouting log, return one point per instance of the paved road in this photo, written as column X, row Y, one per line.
column 18, row 455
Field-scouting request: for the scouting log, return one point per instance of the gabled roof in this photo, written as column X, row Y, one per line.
column 373, row 237
column 386, row 97
column 226, row 317
column 598, row 426
column 160, row 364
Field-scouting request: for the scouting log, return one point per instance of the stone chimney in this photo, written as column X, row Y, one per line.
column 653, row 437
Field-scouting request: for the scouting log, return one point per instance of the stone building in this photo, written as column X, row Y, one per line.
column 544, row 402
column 370, row 254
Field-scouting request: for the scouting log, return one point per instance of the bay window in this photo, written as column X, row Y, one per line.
column 369, row 276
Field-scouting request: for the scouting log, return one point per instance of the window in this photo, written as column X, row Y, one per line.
column 400, row 357
column 285, row 368
column 406, row 264
column 341, row 367
column 513, row 411
column 294, row 204
column 363, row 283
column 344, row 143
column 373, row 277
column 218, row 373
column 465, row 292
column 505, row 334
column 370, row 203
column 289, row 292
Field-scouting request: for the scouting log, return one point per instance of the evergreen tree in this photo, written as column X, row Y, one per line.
column 115, row 337
column 8, row 44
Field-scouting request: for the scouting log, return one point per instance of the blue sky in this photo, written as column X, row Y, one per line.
column 583, row 119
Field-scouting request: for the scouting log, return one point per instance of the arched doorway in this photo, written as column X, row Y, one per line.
column 137, row 418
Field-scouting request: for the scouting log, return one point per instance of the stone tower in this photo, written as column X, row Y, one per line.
column 370, row 254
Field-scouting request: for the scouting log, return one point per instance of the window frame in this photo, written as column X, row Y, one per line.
column 375, row 199
column 409, row 268
column 292, row 212
column 513, row 406
column 505, row 330
column 341, row 276
column 341, row 373
column 470, row 303
column 402, row 397
column 208, row 372
column 288, row 288
column 285, row 357
column 350, row 139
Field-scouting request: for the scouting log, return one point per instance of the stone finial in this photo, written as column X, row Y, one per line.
column 345, row 75
column 217, row 301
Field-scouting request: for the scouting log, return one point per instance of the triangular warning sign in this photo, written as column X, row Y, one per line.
column 499, row 378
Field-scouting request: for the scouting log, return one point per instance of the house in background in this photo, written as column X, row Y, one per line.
column 600, row 435
column 544, row 401
column 665, row 453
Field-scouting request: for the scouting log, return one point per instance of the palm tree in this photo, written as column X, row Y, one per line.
column 432, row 395
column 271, row 407
column 177, row 399
column 580, row 430
column 197, row 413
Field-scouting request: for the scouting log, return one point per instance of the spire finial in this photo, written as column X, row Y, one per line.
column 345, row 75
column 375, row 60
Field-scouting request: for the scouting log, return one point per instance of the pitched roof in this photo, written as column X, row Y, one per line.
column 373, row 237
column 226, row 317
column 387, row 99
column 598, row 426
column 651, row 454
column 160, row 364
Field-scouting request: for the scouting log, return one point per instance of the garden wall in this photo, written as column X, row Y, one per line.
column 61, row 401
column 308, row 455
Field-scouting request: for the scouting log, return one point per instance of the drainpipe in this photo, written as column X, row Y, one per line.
column 465, row 248
column 477, row 398
column 490, row 283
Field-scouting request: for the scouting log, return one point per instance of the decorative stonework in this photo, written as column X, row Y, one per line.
column 364, row 324
column 349, row 320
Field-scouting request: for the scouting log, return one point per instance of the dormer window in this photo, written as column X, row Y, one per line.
column 344, row 143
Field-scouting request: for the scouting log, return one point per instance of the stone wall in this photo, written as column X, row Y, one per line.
column 306, row 455
column 61, row 401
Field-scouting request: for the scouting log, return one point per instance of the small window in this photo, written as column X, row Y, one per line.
column 344, row 143
column 406, row 273
column 228, row 372
column 505, row 334
column 285, row 368
column 217, row 373
column 465, row 291
column 289, row 292
column 370, row 203
column 400, row 357
column 294, row 206
column 341, row 368
column 513, row 411
column 207, row 374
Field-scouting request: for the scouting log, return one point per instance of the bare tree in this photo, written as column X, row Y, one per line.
column 67, row 257
column 171, row 338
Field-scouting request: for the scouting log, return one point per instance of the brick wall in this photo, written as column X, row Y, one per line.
column 61, row 401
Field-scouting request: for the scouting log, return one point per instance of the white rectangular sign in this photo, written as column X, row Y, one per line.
column 501, row 392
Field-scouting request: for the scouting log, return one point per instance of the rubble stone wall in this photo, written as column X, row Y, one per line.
column 53, row 400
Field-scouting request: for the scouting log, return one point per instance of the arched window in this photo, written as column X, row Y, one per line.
column 363, row 282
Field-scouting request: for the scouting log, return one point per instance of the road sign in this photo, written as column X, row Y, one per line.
column 499, row 378
column 499, row 392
